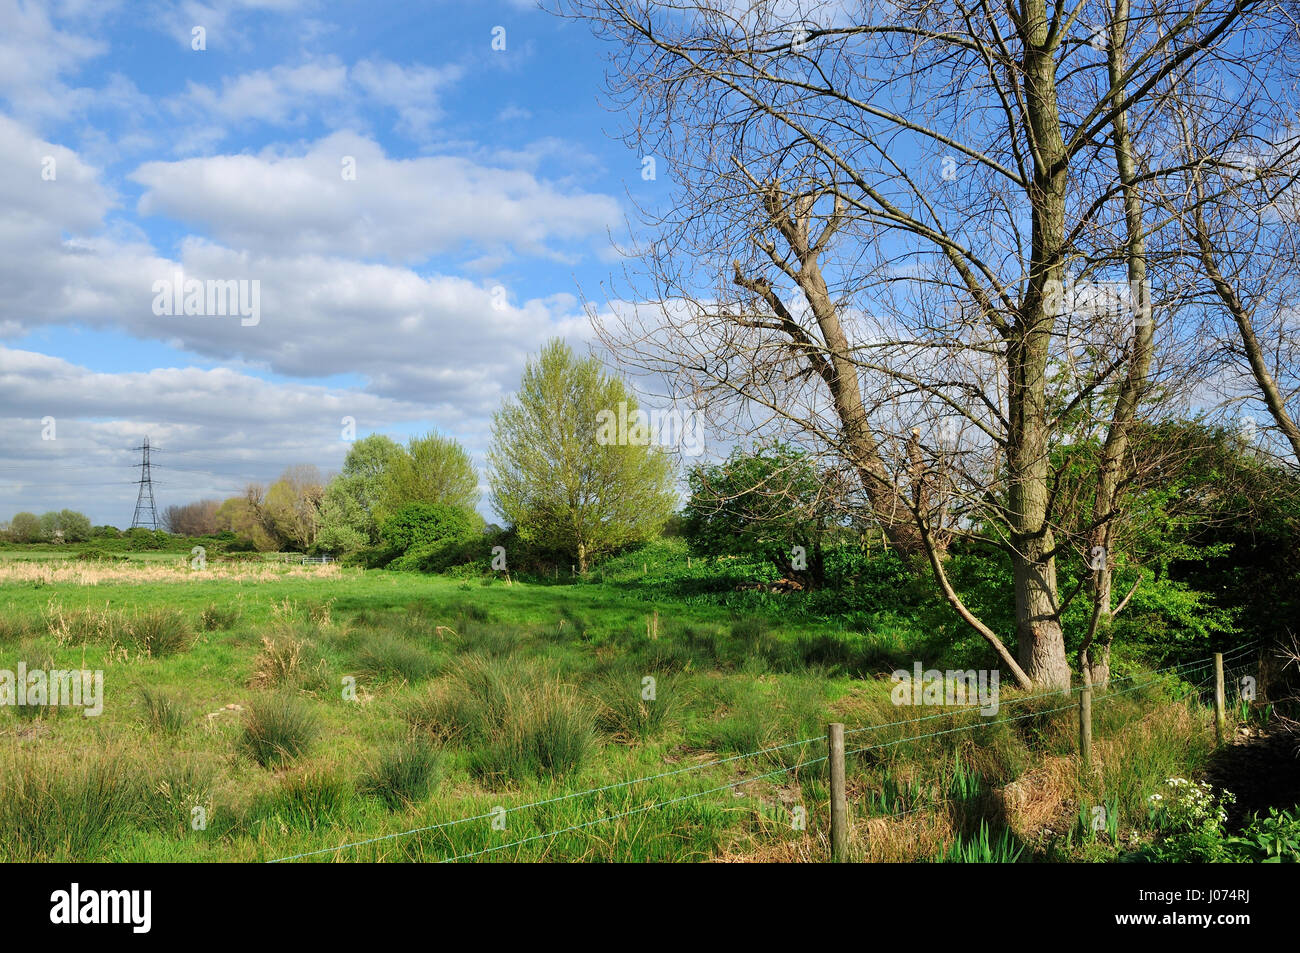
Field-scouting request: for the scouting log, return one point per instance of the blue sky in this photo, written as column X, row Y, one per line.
column 487, row 186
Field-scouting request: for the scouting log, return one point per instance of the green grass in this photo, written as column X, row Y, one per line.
column 303, row 709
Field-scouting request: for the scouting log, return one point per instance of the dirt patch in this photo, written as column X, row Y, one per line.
column 1262, row 769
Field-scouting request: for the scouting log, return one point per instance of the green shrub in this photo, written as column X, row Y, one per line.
column 1274, row 839
column 419, row 530
column 100, row 556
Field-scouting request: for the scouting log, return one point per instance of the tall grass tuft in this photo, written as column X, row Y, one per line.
column 65, row 810
column 403, row 773
column 385, row 655
column 159, row 633
column 288, row 659
column 632, row 709
column 304, row 800
column 278, row 728
column 15, row 629
column 519, row 720
column 981, row 848
column 214, row 617
column 163, row 711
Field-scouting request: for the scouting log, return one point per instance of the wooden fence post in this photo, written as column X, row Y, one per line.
column 1085, row 722
column 839, row 809
column 1219, row 720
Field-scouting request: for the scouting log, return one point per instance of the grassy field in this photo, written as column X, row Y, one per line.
column 258, row 711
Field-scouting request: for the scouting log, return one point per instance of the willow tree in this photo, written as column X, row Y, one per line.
column 573, row 464
column 920, row 240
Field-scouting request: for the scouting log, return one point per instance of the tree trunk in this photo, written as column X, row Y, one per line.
column 1038, row 625
column 1094, row 655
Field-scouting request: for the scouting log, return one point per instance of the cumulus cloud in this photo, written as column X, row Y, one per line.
column 396, row 209
column 36, row 55
column 277, row 95
column 441, row 339
column 219, row 429
column 320, row 88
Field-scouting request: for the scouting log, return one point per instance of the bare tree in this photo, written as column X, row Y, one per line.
column 192, row 519
column 921, row 240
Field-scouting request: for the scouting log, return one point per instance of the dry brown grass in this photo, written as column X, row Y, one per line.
column 66, row 572
column 1040, row 796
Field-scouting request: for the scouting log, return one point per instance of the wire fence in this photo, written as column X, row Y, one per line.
column 1184, row 671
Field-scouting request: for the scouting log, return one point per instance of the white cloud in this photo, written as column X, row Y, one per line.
column 322, row 88
column 436, row 339
column 278, row 95
column 35, row 56
column 219, row 429
column 413, row 91
column 397, row 209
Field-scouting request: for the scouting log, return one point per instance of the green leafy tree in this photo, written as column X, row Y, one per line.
column 353, row 498
column 25, row 528
column 432, row 469
column 290, row 509
column 75, row 526
column 768, row 503
column 341, row 523
column 572, row 466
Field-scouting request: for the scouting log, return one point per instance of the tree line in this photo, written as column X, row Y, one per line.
column 563, row 486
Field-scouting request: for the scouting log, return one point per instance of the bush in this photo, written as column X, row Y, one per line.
column 1271, row 840
column 417, row 530
column 100, row 556
column 1190, row 816
column 278, row 728
column 403, row 773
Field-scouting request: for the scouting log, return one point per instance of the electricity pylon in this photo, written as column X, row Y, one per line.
column 145, row 512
